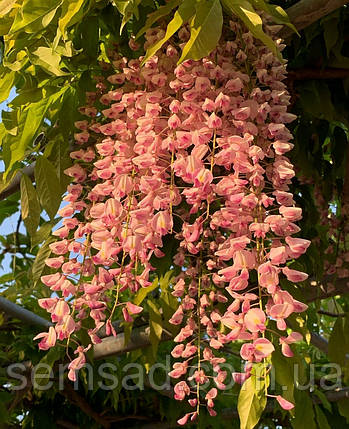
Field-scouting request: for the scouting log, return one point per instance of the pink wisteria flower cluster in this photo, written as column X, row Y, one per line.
column 196, row 151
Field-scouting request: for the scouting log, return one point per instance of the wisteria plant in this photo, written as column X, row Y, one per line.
column 196, row 150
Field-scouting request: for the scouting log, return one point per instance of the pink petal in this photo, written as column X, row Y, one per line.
column 183, row 420
column 286, row 405
column 263, row 347
column 286, row 350
column 294, row 337
column 134, row 309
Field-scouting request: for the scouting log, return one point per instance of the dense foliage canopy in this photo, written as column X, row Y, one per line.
column 54, row 55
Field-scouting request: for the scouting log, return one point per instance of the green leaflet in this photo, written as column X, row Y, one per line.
column 155, row 324
column 185, row 11
column 163, row 282
column 70, row 12
column 9, row 122
column 144, row 291
column 31, row 95
column 343, row 407
column 304, row 417
column 7, row 208
column 339, row 60
column 169, row 303
column 6, row 6
column 159, row 13
column 16, row 61
column 276, row 12
column 34, row 15
column 331, row 34
column 47, row 59
column 42, row 234
column 39, row 262
column 61, row 160
column 127, row 8
column 324, row 401
column 47, row 184
column 284, row 373
column 7, row 81
column 252, row 399
column 321, row 418
column 43, row 371
column 30, row 207
column 338, row 344
column 29, row 124
column 245, row 11
column 205, row 30
column 89, row 36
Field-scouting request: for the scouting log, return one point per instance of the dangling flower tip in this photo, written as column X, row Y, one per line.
column 183, row 420
column 286, row 405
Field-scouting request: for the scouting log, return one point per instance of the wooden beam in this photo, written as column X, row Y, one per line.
column 23, row 314
column 316, row 74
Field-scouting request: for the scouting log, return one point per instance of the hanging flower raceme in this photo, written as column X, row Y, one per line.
column 196, row 150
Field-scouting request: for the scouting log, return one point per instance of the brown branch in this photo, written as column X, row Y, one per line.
column 328, row 313
column 338, row 394
column 316, row 73
column 305, row 12
column 130, row 417
column 319, row 342
column 16, row 181
column 73, row 396
column 67, row 425
column 113, row 346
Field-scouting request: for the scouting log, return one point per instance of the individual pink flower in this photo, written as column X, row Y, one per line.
column 286, row 341
column 278, row 255
column 48, row 339
column 214, row 121
column 177, row 316
column 78, row 362
column 255, row 320
column 210, row 395
column 184, row 419
column 281, row 312
column 294, row 275
column 181, row 390
column 268, row 276
column 162, row 222
column 61, row 309
column 51, row 279
column 77, row 172
column 54, row 262
column 59, row 247
column 65, row 327
column 174, row 122
column 133, row 309
column 263, row 348
column 179, row 369
column 286, row 405
column 48, row 304
column 298, row 246
column 292, row 214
